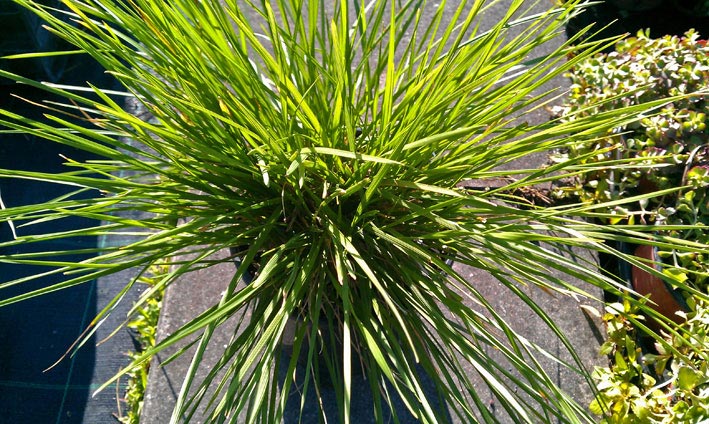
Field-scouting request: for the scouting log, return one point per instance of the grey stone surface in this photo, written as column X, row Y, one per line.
column 583, row 333
column 191, row 297
column 183, row 301
column 202, row 289
column 111, row 350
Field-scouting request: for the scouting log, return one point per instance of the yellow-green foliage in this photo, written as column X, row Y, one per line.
column 628, row 393
column 661, row 151
column 144, row 326
column 668, row 148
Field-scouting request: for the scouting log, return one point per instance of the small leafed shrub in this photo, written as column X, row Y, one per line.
column 629, row 390
column 665, row 152
column 669, row 148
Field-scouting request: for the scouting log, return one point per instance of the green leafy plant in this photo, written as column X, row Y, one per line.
column 629, row 389
column 669, row 148
column 330, row 146
column 627, row 392
column 665, row 149
column 144, row 327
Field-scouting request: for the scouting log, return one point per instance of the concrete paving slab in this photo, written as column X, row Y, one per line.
column 182, row 302
column 585, row 334
column 199, row 291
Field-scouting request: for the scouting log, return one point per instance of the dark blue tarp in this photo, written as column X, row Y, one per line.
column 36, row 333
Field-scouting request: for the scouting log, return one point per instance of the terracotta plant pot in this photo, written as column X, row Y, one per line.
column 662, row 298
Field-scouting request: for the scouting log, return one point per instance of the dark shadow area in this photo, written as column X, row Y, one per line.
column 666, row 17
column 22, row 32
column 34, row 334
column 362, row 405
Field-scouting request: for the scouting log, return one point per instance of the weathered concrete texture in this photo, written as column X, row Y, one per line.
column 111, row 350
column 184, row 301
column 584, row 333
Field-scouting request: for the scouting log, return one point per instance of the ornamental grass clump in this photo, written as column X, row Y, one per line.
column 329, row 146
